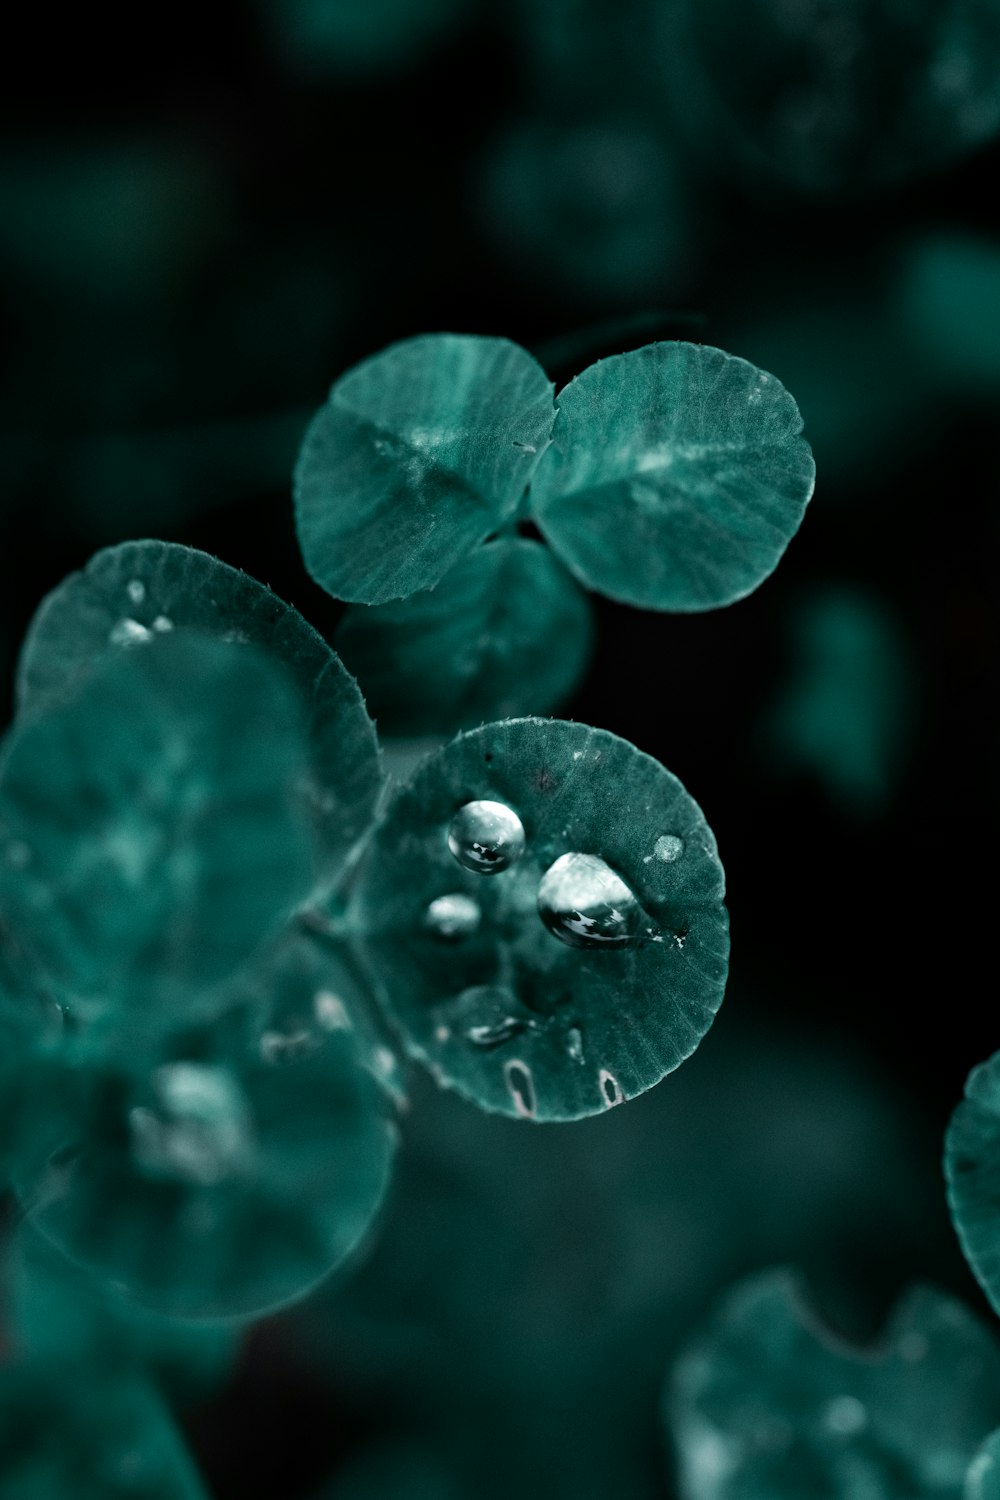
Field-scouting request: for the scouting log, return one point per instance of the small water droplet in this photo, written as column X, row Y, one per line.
column 442, row 1034
column 574, row 1043
column 454, row 916
column 136, row 590
column 517, row 1076
column 585, row 904
column 610, row 1088
column 162, row 624
column 129, row 632
column 668, row 848
column 279, row 1047
column 331, row 1012
column 845, row 1416
column 494, row 1033
column 384, row 1062
column 486, row 837
column 197, row 1130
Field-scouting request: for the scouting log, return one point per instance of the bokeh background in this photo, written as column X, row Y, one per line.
column 207, row 213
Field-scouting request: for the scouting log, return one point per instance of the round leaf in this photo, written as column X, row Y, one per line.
column 507, row 632
column 502, row 1010
column 676, row 477
column 128, row 594
column 972, row 1167
column 235, row 1174
column 767, row 1405
column 418, row 455
column 149, row 834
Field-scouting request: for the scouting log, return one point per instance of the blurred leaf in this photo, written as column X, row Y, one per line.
column 58, row 1311
column 344, row 37
column 149, row 834
column 846, row 712
column 93, row 1433
column 497, row 1006
column 767, row 1404
column 972, row 1167
column 506, row 632
column 235, row 1174
column 982, row 1482
column 676, row 477
column 949, row 295
column 420, row 453
column 130, row 593
column 833, row 98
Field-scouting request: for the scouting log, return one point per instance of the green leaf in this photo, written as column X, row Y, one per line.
column 130, row 593
column 972, row 1169
column 235, row 1174
column 767, row 1404
column 506, row 632
column 676, row 477
column 150, row 835
column 420, row 453
column 502, row 1010
column 58, row 1311
column 982, row 1482
column 93, row 1432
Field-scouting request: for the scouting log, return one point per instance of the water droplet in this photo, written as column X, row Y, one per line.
column 331, row 1012
column 494, row 1033
column 162, row 624
column 486, row 837
column 442, row 1034
column 668, row 847
column 453, row 916
column 574, row 1043
column 680, row 938
column 136, row 590
column 279, row 1047
column 520, row 1087
column 610, row 1088
column 199, row 1128
column 129, row 632
column 845, row 1416
column 585, row 904
column 383, row 1061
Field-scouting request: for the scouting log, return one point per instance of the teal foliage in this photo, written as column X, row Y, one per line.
column 128, row 594
column 421, row 453
column 150, row 833
column 68, row 1429
column 237, row 1172
column 676, row 477
column 972, row 1167
column 57, row 1311
column 482, row 989
column 846, row 712
column 766, row 1403
column 505, row 631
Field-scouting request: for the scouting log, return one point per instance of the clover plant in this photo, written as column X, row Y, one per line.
column 221, row 932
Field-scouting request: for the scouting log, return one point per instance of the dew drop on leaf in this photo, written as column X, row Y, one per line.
column 585, row 904
column 136, row 590
column 486, row 837
column 668, row 847
column 453, row 916
column 129, row 632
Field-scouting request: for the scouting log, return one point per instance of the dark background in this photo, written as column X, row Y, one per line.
column 294, row 218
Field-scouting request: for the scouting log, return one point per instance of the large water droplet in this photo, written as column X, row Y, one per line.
column 486, row 837
column 454, row 916
column 520, row 1087
column 585, row 904
column 129, row 632
column 198, row 1129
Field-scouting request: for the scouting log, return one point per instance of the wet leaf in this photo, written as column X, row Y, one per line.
column 676, row 477
column 506, row 632
column 972, row 1168
column 767, row 1404
column 128, row 594
column 420, row 453
column 514, row 1017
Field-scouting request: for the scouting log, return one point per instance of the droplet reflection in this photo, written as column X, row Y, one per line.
column 486, row 837
column 585, row 904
